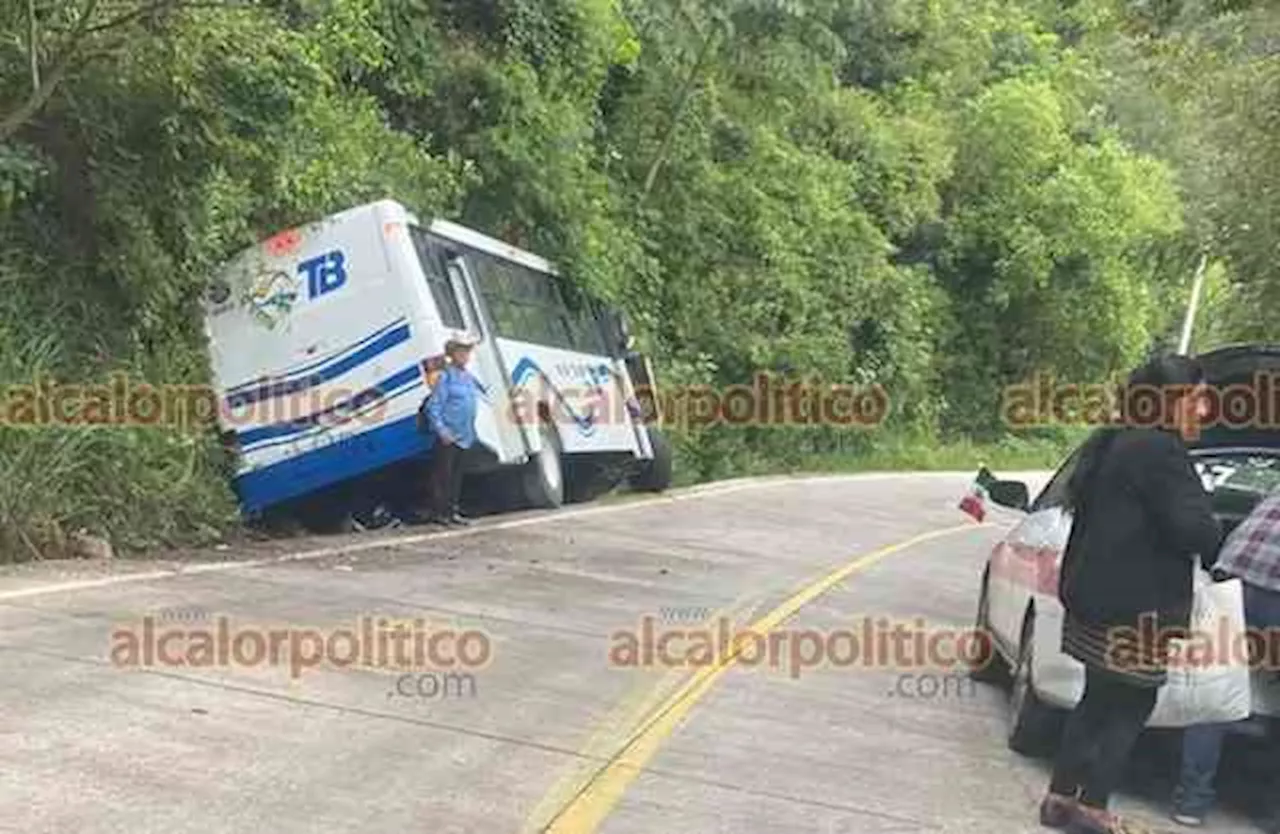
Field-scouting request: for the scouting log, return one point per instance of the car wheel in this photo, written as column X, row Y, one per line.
column 543, row 477
column 991, row 666
column 1034, row 726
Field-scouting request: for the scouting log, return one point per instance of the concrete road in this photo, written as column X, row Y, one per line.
column 548, row 728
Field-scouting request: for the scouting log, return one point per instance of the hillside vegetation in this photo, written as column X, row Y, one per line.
column 940, row 197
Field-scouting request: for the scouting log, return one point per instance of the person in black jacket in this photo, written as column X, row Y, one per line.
column 1140, row 516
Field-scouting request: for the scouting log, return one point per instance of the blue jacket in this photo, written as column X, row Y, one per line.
column 452, row 406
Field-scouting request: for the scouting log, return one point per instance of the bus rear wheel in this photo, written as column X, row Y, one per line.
column 588, row 477
column 655, row 475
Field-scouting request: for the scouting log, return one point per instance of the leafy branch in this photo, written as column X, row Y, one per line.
column 44, row 88
column 74, row 52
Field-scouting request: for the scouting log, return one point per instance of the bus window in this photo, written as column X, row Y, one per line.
column 523, row 302
column 530, row 306
column 460, row 280
column 431, row 258
column 586, row 328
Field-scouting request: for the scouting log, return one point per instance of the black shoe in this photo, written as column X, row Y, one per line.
column 376, row 519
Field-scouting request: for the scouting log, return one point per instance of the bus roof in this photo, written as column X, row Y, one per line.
column 454, row 232
column 492, row 246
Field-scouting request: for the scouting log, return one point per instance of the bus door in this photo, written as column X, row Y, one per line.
column 490, row 366
column 637, row 379
column 638, row 393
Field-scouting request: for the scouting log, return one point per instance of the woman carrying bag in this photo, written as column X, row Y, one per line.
column 1140, row 517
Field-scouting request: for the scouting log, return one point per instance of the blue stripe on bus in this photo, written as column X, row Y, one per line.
column 294, row 438
column 348, row 458
column 314, row 363
column 281, row 441
column 389, row 339
column 410, row 377
column 527, row 367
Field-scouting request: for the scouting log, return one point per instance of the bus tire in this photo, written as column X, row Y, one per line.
column 274, row 523
column 543, row 478
column 589, row 479
column 655, row 475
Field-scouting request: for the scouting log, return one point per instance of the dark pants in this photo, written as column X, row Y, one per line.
column 445, row 479
column 1202, row 743
column 1099, row 736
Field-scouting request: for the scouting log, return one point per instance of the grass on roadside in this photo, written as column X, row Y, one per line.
column 144, row 489
column 959, row 455
column 699, row 461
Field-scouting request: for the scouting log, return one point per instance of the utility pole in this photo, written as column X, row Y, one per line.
column 1184, row 346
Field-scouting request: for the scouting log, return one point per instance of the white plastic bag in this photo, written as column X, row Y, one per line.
column 1209, row 673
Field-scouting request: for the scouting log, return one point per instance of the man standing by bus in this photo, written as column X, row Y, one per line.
column 451, row 417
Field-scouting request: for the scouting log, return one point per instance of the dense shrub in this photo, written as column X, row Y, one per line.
column 930, row 196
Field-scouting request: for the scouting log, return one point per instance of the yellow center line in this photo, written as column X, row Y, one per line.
column 618, row 727
column 588, row 809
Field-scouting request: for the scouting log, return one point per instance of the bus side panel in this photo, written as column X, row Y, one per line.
column 590, row 405
column 352, row 410
column 350, row 456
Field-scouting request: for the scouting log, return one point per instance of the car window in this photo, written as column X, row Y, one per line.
column 1246, row 473
column 1055, row 493
column 1238, row 482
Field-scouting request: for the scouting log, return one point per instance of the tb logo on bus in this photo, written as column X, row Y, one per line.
column 324, row 273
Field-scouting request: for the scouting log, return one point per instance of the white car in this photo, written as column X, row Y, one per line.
column 1018, row 599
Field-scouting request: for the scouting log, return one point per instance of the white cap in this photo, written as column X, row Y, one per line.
column 460, row 340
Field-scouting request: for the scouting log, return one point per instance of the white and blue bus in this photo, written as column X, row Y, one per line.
column 324, row 339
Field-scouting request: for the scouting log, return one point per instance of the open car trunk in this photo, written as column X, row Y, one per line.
column 1239, row 453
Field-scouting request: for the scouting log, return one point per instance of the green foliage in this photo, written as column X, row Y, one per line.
column 130, row 187
column 940, row 197
column 1047, row 237
column 1199, row 85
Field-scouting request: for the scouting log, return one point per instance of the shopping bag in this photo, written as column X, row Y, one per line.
column 1209, row 671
